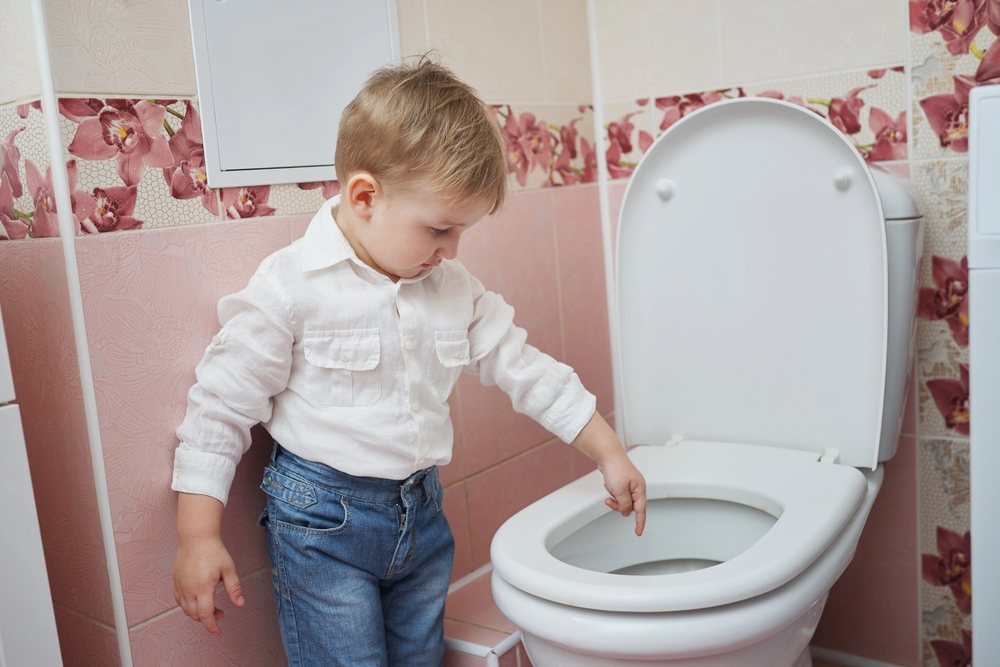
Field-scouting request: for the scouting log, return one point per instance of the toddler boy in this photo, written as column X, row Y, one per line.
column 346, row 345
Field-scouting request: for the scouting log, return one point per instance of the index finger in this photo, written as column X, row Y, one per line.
column 640, row 513
column 206, row 612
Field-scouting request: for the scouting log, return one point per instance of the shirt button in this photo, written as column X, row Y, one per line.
column 216, row 340
column 415, row 406
column 408, row 345
column 343, row 356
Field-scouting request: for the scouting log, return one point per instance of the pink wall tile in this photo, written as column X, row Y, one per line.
column 873, row 608
column 582, row 282
column 150, row 301
column 250, row 636
column 455, row 470
column 456, row 511
column 473, row 603
column 498, row 493
column 513, row 254
column 473, row 633
column 34, row 298
column 85, row 643
column 297, row 225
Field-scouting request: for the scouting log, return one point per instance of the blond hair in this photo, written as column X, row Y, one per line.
column 417, row 121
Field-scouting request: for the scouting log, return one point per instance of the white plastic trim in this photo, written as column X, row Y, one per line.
column 607, row 237
column 67, row 234
column 846, row 659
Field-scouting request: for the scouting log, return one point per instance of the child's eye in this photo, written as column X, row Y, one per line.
column 437, row 232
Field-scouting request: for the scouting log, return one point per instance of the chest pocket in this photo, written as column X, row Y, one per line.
column 451, row 355
column 341, row 367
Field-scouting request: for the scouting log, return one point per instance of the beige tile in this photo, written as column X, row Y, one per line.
column 412, row 28
column 565, row 43
column 122, row 47
column 657, row 46
column 494, row 45
column 19, row 75
column 768, row 39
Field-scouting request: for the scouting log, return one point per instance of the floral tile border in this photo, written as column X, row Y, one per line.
column 945, row 560
column 23, row 141
column 549, row 145
column 139, row 163
column 869, row 107
column 953, row 48
column 943, row 330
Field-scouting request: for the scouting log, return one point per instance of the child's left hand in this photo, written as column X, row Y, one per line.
column 622, row 479
column 627, row 487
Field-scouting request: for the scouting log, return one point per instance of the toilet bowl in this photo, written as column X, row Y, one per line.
column 766, row 287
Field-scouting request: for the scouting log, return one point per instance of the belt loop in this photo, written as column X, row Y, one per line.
column 274, row 451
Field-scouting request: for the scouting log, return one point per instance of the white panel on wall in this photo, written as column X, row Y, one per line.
column 274, row 77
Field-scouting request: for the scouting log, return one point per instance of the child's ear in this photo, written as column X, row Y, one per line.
column 362, row 188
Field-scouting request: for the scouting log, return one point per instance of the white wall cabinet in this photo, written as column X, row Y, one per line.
column 275, row 75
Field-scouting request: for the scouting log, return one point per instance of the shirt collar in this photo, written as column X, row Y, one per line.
column 326, row 245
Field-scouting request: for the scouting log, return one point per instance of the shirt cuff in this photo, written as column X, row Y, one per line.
column 571, row 411
column 202, row 473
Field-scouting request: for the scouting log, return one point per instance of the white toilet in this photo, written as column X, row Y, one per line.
column 767, row 283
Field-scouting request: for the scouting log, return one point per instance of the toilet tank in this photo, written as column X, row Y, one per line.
column 904, row 247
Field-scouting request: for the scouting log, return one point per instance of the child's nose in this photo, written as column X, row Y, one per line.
column 448, row 251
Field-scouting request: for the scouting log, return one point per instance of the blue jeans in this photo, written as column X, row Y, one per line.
column 360, row 565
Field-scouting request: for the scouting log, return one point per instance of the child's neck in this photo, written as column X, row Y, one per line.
column 349, row 225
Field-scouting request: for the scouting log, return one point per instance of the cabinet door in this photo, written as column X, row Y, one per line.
column 274, row 77
column 27, row 622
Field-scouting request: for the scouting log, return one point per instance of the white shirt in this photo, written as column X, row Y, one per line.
column 345, row 367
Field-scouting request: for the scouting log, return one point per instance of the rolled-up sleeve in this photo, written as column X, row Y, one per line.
column 540, row 387
column 245, row 365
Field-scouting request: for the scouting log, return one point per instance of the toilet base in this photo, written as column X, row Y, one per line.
column 787, row 648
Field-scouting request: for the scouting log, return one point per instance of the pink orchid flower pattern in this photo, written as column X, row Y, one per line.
column 534, row 144
column 951, row 396
column 113, row 209
column 958, row 21
column 951, row 566
column 844, row 112
column 890, row 136
column 14, row 226
column 879, row 73
column 186, row 175
column 250, row 202
column 10, row 156
column 619, row 143
column 130, row 131
column 948, row 115
column 23, row 110
column 328, row 188
column 948, row 300
column 953, row 654
column 44, row 222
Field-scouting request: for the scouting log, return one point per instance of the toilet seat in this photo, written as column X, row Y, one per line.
column 813, row 501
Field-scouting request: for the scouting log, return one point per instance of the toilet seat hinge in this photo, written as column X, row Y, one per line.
column 830, row 455
column 674, row 440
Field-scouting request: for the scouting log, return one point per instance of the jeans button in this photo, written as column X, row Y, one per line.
column 267, row 480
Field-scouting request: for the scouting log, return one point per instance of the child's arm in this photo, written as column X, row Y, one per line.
column 202, row 561
column 621, row 478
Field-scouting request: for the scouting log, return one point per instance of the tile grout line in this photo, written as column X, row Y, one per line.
column 559, row 274
column 541, row 47
column 166, row 612
column 80, row 614
column 465, row 487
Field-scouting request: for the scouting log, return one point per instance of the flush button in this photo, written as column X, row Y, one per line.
column 664, row 188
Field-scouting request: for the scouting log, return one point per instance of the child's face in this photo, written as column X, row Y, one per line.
column 408, row 233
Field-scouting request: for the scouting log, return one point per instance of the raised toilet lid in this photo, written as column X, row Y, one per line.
column 752, row 285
